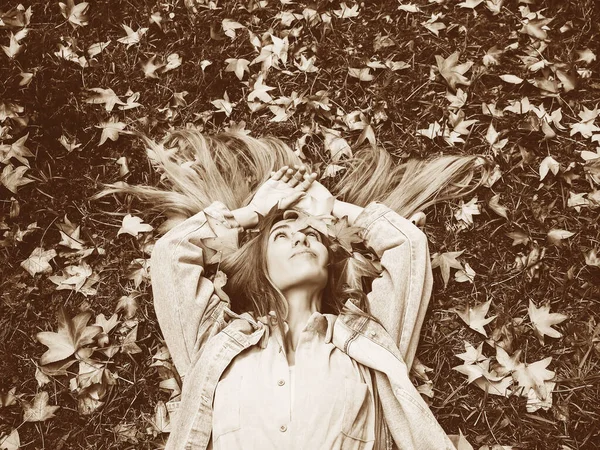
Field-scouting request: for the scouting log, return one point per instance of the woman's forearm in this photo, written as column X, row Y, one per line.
column 246, row 217
column 341, row 209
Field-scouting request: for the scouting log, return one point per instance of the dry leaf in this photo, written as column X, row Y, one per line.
column 133, row 225
column 445, row 261
column 73, row 334
column 533, row 376
column 466, row 211
column 39, row 411
column 238, row 66
column 555, row 236
column 475, row 318
column 106, row 97
column 110, row 130
column 13, row 178
column 75, row 14
column 39, row 261
column 133, row 37
column 452, row 72
column 548, row 164
column 494, row 204
column 542, row 320
column 11, row 441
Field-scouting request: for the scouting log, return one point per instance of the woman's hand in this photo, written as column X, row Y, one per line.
column 283, row 188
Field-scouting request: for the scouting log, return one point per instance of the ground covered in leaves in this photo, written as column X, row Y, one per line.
column 509, row 355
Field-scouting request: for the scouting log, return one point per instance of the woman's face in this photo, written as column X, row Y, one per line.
column 296, row 257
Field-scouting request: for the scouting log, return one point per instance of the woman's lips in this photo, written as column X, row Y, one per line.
column 304, row 253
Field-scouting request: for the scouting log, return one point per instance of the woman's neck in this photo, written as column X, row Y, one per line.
column 301, row 305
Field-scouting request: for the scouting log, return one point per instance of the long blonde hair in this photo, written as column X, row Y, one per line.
column 198, row 169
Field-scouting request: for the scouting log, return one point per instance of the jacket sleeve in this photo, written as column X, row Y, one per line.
column 188, row 309
column 399, row 297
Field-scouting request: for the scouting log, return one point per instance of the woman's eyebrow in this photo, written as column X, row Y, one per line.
column 285, row 225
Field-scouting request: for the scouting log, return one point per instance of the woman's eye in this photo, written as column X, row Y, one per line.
column 278, row 234
column 313, row 234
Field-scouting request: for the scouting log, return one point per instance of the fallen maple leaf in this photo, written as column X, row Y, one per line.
column 344, row 234
column 97, row 48
column 535, row 28
column 13, row 178
column 466, row 211
column 75, row 14
column 586, row 55
column 39, row 411
column 355, row 267
column 494, row 204
column 452, row 72
column 110, row 130
column 533, row 376
column 260, row 91
column 174, row 60
column 335, row 144
column 346, row 12
column 468, row 274
column 474, row 317
column 445, row 261
column 14, row 48
column 70, row 235
column 133, row 225
column 591, row 258
column 229, row 27
column 38, row 261
column 238, row 66
column 150, row 68
column 555, row 236
column 548, row 164
column 472, row 355
column 542, row 320
column 10, row 441
column 433, row 25
column 138, row 271
column 16, row 150
column 307, row 65
column 513, row 79
column 363, row 74
column 73, row 334
column 133, row 37
column 128, row 305
column 106, row 97
column 74, row 277
column 506, row 363
column 224, row 105
column 160, row 422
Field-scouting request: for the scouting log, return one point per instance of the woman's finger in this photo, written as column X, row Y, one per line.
column 298, row 177
column 287, row 175
column 308, row 181
column 277, row 175
column 288, row 201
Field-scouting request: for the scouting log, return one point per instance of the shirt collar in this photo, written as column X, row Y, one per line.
column 321, row 324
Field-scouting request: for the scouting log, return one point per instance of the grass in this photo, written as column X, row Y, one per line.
column 402, row 101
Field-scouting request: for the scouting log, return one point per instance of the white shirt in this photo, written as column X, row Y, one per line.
column 323, row 402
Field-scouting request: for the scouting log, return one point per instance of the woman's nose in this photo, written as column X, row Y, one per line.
column 299, row 237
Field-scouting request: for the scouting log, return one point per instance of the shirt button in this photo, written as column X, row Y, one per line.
column 283, row 428
column 281, row 382
column 372, row 333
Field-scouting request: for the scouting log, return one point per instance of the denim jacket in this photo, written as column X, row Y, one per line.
column 204, row 335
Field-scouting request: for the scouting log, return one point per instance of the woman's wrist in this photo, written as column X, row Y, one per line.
column 246, row 217
column 341, row 209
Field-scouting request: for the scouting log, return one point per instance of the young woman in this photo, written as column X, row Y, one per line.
column 265, row 300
